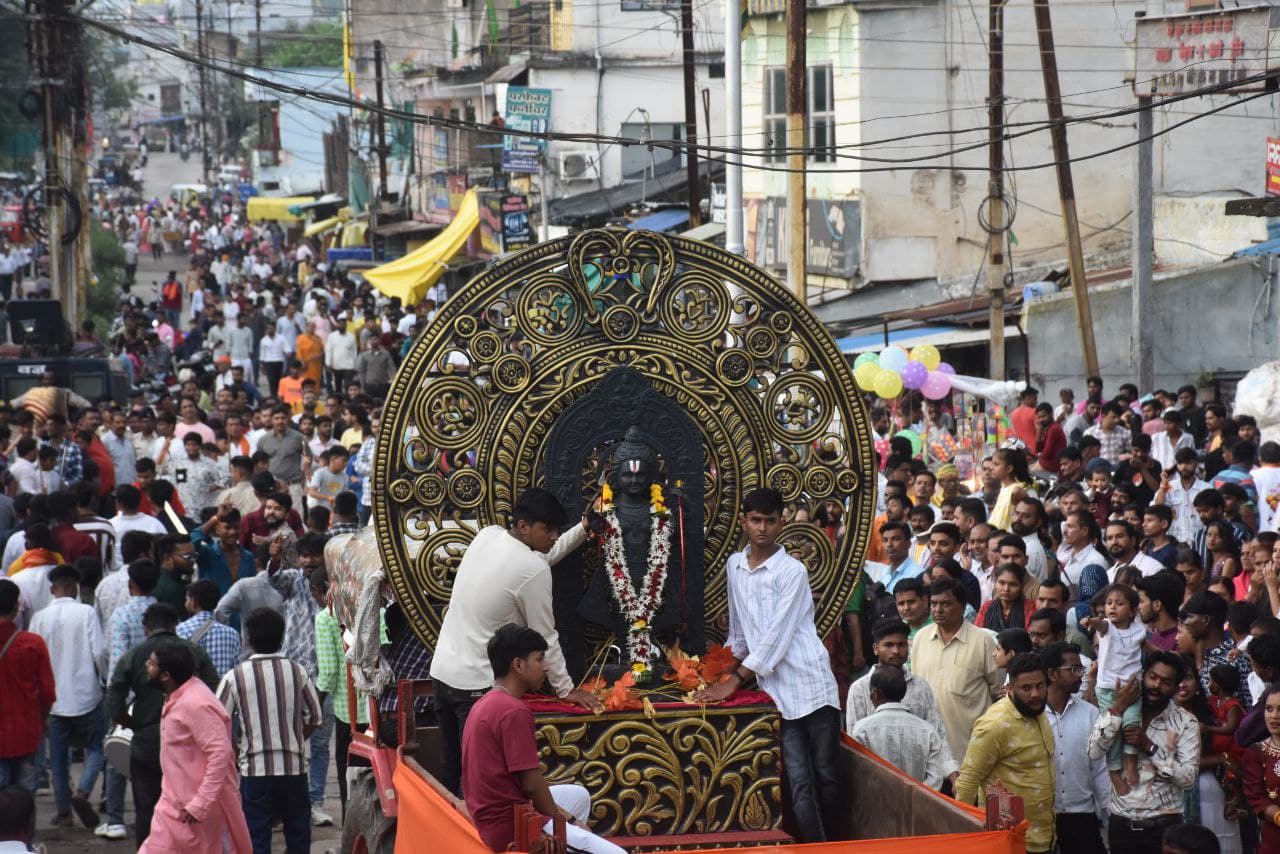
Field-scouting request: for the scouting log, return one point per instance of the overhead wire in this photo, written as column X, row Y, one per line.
column 708, row 152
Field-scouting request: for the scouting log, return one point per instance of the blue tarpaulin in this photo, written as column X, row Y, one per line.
column 1267, row 247
column 664, row 220
column 874, row 341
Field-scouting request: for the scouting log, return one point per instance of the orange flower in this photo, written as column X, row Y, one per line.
column 621, row 696
column 717, row 662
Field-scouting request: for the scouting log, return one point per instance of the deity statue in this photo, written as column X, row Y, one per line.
column 636, row 591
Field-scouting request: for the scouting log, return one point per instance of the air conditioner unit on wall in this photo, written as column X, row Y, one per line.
column 578, row 165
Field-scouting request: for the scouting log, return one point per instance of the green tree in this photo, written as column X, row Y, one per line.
column 317, row 45
column 102, row 292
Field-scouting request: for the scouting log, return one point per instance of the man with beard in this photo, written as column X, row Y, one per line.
column 1013, row 743
column 1159, row 598
column 1122, row 545
column 1083, row 788
column 283, row 589
column 1168, row 742
column 143, row 716
column 1077, row 552
column 257, row 527
column 1028, row 519
column 199, row 799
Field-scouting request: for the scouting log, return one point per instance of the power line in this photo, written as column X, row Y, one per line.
column 708, row 152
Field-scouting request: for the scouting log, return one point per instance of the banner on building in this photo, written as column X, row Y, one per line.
column 504, row 223
column 835, row 235
column 1182, row 53
column 1273, row 166
column 527, row 110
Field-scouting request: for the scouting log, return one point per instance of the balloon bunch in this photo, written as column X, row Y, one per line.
column 891, row 370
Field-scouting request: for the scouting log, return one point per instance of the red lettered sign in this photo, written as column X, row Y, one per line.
column 1273, row 166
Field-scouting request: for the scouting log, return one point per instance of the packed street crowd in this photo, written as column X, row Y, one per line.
column 1092, row 622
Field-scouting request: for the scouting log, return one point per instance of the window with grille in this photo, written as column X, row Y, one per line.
column 775, row 115
column 822, row 115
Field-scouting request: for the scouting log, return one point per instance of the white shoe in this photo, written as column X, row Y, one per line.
column 320, row 818
column 111, row 831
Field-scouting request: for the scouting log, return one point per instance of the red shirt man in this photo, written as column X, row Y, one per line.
column 26, row 688
column 1023, row 417
column 1050, row 438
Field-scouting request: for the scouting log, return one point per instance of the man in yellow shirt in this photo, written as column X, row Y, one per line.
column 955, row 658
column 1013, row 744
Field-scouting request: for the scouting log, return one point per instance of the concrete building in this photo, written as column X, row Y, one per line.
column 296, row 163
column 898, row 89
column 611, row 69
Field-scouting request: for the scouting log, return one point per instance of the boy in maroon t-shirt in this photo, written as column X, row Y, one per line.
column 500, row 756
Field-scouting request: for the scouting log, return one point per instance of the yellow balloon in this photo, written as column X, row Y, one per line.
column 927, row 355
column 888, row 385
column 866, row 374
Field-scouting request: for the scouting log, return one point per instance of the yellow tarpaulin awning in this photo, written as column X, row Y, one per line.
column 410, row 277
column 353, row 234
column 261, row 208
column 322, row 226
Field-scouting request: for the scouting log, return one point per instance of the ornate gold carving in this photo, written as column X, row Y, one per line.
column 678, row 772
column 771, row 395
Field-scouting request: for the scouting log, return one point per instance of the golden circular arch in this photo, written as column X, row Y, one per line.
column 773, row 400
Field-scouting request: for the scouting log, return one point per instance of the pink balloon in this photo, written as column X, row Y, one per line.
column 936, row 385
column 913, row 375
column 945, row 368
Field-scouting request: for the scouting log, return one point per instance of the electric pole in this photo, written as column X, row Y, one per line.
column 690, row 113
column 380, row 121
column 797, row 74
column 995, row 185
column 733, row 238
column 257, row 37
column 1143, row 249
column 204, row 91
column 1066, row 187
column 53, row 51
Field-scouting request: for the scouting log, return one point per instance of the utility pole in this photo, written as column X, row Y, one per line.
column 1066, row 187
column 690, row 113
column 380, row 122
column 995, row 184
column 204, row 91
column 1144, row 246
column 51, row 61
column 733, row 236
column 257, row 33
column 797, row 78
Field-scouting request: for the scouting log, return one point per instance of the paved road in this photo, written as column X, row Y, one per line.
column 64, row 840
column 162, row 172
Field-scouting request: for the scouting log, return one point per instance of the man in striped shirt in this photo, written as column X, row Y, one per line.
column 278, row 710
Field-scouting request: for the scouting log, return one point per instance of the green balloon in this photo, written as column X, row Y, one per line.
column 917, row 444
column 866, row 359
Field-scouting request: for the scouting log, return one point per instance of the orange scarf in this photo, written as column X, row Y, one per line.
column 35, row 557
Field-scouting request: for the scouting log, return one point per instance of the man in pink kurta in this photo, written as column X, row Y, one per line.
column 200, row 793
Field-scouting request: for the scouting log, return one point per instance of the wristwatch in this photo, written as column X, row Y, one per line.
column 742, row 680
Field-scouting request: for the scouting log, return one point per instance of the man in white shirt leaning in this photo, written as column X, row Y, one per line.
column 504, row 577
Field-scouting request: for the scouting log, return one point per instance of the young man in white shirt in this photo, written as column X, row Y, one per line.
column 504, row 577
column 773, row 634
column 78, row 653
column 1178, row 492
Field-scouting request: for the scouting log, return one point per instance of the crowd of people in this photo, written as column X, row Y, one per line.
column 1093, row 623
column 163, row 569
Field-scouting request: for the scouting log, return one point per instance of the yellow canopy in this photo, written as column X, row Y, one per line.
column 262, row 208
column 410, row 277
column 353, row 234
column 322, row 226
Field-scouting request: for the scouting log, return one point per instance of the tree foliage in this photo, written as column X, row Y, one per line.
column 317, row 45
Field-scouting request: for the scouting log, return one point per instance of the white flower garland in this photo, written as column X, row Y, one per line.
column 638, row 608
